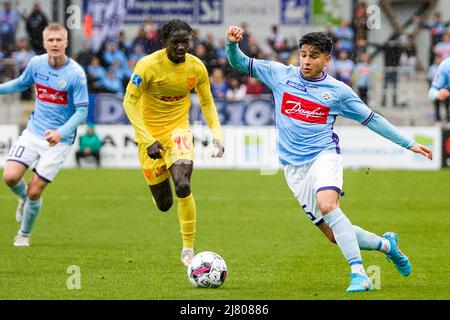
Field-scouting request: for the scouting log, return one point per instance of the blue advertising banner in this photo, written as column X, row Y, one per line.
column 295, row 12
column 254, row 110
column 190, row 11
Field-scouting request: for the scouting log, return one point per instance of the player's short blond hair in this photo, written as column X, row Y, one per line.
column 55, row 27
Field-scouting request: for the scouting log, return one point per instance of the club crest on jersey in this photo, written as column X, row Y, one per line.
column 136, row 80
column 326, row 96
column 304, row 110
column 191, row 82
column 62, row 84
column 297, row 86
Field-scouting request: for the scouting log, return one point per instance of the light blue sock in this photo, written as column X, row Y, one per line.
column 20, row 189
column 370, row 241
column 30, row 213
column 345, row 237
column 367, row 240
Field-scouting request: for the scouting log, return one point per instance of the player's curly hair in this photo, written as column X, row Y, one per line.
column 170, row 27
column 319, row 40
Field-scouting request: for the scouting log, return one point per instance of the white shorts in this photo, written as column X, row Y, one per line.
column 324, row 173
column 37, row 154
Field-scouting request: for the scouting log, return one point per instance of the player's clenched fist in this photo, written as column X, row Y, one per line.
column 52, row 136
column 234, row 34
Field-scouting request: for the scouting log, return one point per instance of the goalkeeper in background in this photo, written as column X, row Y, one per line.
column 157, row 104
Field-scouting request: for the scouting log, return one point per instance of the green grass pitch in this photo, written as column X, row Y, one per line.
column 104, row 222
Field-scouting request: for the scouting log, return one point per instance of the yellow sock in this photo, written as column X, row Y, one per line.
column 187, row 217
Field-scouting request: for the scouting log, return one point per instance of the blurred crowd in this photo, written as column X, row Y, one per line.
column 110, row 68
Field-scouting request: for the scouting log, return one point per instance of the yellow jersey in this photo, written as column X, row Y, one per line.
column 157, row 97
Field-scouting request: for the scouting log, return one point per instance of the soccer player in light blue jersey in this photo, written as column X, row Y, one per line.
column 61, row 105
column 307, row 102
column 441, row 83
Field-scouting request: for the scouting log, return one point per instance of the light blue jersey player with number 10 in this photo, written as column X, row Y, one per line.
column 61, row 105
column 307, row 102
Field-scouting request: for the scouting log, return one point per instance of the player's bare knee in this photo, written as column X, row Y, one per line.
column 183, row 189
column 34, row 193
column 326, row 207
column 165, row 205
column 10, row 180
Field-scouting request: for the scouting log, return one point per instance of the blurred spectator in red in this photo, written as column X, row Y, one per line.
column 254, row 86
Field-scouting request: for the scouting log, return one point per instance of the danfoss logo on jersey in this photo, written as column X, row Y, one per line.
column 47, row 94
column 171, row 98
column 304, row 110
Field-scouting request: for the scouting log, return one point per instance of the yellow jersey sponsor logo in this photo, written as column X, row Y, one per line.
column 171, row 98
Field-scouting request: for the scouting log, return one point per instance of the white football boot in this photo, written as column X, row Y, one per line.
column 21, row 241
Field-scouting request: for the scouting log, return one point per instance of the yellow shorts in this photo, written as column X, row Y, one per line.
column 178, row 147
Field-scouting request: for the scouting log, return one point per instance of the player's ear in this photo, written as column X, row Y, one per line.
column 327, row 59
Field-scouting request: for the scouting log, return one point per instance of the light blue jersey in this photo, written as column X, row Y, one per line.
column 306, row 109
column 441, row 79
column 59, row 93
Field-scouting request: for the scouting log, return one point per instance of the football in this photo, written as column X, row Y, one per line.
column 207, row 270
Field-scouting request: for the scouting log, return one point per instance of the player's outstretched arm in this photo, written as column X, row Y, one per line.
column 423, row 150
column 238, row 60
column 13, row 86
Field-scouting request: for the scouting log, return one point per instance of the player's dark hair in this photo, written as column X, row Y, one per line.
column 170, row 27
column 318, row 40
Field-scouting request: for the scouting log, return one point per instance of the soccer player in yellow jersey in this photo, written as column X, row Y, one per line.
column 157, row 104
